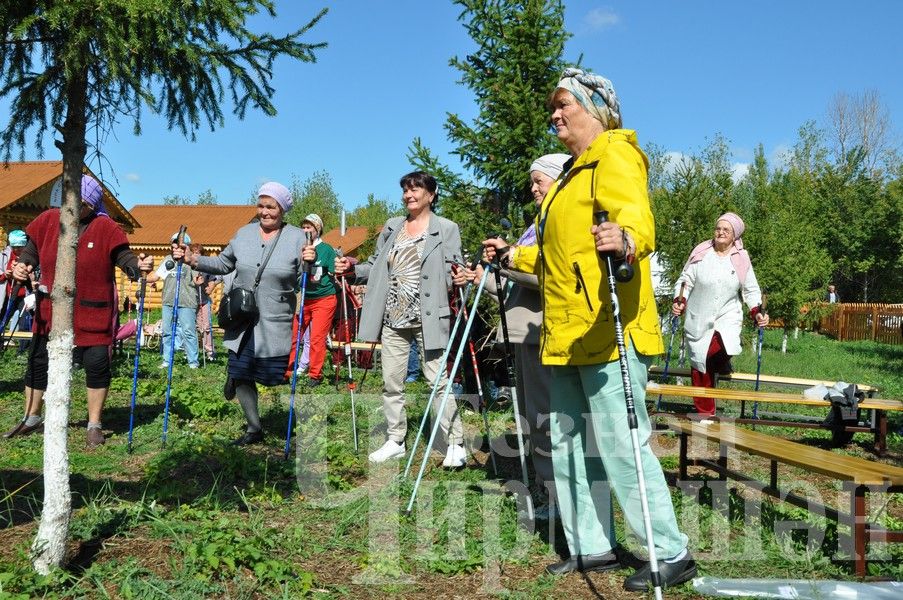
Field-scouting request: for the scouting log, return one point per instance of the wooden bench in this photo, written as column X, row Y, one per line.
column 877, row 425
column 859, row 476
column 657, row 371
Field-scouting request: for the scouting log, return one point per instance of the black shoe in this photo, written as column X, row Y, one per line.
column 249, row 437
column 671, row 574
column 314, row 382
column 229, row 388
column 22, row 429
column 585, row 563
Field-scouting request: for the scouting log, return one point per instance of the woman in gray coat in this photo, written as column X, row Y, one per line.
column 260, row 352
column 408, row 280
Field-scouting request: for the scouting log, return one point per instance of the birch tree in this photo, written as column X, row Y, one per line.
column 71, row 65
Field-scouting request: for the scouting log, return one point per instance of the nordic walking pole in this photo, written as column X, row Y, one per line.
column 476, row 374
column 512, row 379
column 13, row 297
column 172, row 337
column 31, row 351
column 759, row 356
column 344, row 285
column 445, row 394
column 203, row 337
column 436, row 380
column 210, row 327
column 601, row 217
column 4, row 344
column 305, row 270
column 142, row 288
column 675, row 322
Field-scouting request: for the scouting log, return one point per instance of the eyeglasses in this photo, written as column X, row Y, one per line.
column 723, row 230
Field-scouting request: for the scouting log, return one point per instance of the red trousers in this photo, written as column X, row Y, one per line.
column 717, row 362
column 318, row 314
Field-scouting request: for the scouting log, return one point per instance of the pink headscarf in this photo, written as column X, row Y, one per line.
column 739, row 256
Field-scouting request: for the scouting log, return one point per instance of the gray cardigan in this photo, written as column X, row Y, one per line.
column 443, row 242
column 276, row 292
column 523, row 306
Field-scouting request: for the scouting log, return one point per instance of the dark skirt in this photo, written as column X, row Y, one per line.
column 243, row 365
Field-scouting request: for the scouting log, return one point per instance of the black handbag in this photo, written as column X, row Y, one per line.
column 238, row 308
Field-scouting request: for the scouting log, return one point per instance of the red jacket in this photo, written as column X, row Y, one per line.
column 94, row 275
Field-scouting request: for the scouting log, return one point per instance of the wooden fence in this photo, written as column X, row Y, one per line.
column 878, row 322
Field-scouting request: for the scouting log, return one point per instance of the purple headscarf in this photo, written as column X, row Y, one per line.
column 92, row 194
column 277, row 192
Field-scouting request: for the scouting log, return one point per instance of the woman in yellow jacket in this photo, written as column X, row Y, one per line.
column 591, row 447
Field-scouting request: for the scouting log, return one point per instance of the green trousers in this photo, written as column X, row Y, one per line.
column 592, row 457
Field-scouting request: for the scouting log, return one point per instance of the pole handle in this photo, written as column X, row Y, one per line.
column 623, row 269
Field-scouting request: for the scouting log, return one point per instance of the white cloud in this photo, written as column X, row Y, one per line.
column 133, row 177
column 674, row 159
column 739, row 171
column 601, row 18
column 780, row 157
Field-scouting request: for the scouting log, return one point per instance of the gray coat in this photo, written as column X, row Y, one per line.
column 443, row 242
column 276, row 292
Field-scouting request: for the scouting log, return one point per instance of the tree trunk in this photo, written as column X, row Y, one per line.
column 784, row 343
column 49, row 546
column 796, row 332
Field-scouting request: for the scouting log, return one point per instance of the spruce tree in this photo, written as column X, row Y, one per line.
column 71, row 65
column 516, row 64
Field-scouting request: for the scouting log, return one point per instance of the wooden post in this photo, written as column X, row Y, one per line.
column 874, row 323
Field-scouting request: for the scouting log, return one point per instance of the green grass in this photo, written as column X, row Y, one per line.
column 201, row 518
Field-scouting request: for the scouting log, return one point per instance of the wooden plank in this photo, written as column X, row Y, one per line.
column 689, row 391
column 751, row 377
column 337, row 345
column 838, row 466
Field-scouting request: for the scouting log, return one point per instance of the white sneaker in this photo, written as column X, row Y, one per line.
column 455, row 457
column 389, row 450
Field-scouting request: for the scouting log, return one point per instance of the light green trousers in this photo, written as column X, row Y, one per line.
column 592, row 457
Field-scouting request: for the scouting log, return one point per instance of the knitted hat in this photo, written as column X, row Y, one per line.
column 316, row 221
column 550, row 164
column 17, row 238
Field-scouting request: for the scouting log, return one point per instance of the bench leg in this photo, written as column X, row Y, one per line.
column 858, row 526
column 682, row 463
column 881, row 432
column 722, row 461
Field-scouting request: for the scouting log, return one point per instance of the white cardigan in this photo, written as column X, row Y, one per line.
column 713, row 304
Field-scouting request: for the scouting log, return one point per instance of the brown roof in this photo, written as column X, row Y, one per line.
column 31, row 181
column 354, row 237
column 208, row 224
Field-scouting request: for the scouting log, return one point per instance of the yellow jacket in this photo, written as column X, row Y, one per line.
column 578, row 326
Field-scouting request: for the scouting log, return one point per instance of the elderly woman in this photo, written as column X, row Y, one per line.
column 266, row 259
column 717, row 273
column 591, row 442
column 408, row 281
column 102, row 246
column 523, row 311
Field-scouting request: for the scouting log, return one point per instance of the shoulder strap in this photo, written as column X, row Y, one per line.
column 266, row 259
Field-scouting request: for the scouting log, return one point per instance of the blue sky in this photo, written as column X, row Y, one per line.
column 684, row 71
